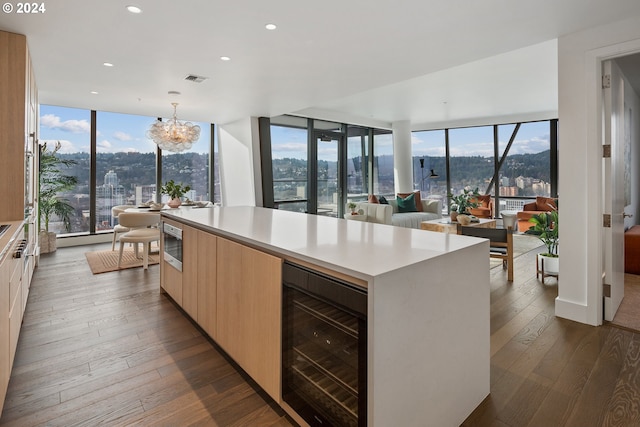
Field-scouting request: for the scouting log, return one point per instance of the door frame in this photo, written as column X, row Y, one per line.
column 595, row 104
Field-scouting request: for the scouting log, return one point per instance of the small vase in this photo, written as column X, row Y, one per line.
column 454, row 216
column 175, row 202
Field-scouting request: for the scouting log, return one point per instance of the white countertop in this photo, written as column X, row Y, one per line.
column 362, row 249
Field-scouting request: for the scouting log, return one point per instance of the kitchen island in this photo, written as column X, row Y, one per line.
column 427, row 302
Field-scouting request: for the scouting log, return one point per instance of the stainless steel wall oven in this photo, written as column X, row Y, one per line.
column 172, row 242
column 324, row 375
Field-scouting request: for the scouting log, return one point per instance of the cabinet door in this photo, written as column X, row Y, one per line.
column 229, row 306
column 249, row 311
column 206, row 277
column 190, row 263
column 5, row 367
column 262, row 311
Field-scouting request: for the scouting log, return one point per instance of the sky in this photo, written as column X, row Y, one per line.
column 115, row 132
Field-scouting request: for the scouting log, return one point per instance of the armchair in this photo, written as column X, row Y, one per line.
column 540, row 205
column 484, row 208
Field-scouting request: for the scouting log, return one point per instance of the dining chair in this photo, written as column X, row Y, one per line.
column 500, row 244
column 143, row 229
column 118, row 228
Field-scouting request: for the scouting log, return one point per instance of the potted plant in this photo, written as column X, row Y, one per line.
column 460, row 204
column 545, row 227
column 52, row 182
column 175, row 192
column 352, row 206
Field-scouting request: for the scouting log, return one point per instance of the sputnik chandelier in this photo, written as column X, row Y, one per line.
column 174, row 135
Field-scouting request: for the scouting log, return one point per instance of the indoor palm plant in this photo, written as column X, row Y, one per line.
column 50, row 203
column 175, row 192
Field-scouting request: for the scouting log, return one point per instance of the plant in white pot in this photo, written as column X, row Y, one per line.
column 175, row 192
column 52, row 183
column 545, row 227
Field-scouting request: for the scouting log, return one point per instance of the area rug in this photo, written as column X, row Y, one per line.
column 628, row 314
column 522, row 243
column 105, row 261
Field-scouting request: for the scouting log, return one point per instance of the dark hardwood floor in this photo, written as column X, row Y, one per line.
column 110, row 349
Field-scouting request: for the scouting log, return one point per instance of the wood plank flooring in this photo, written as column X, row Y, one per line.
column 110, row 350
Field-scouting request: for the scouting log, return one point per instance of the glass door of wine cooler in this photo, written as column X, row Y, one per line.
column 324, row 349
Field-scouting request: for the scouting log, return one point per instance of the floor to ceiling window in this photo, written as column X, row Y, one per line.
column 319, row 166
column 125, row 164
column 512, row 162
column 71, row 127
column 357, row 163
column 289, row 154
column 190, row 167
column 383, row 176
column 429, row 163
column 125, row 159
column 525, row 171
column 470, row 159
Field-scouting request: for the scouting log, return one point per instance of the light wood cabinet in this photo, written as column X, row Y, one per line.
column 190, row 270
column 207, row 282
column 18, row 121
column 5, row 365
column 234, row 293
column 250, row 310
column 11, row 305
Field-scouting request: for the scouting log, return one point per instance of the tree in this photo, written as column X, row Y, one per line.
column 53, row 182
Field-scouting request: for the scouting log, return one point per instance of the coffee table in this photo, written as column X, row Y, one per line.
column 445, row 225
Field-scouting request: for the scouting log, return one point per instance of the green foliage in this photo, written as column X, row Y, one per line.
column 545, row 227
column 52, row 182
column 173, row 190
column 464, row 201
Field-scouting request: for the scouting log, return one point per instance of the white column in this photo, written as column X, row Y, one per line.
column 239, row 170
column 402, row 168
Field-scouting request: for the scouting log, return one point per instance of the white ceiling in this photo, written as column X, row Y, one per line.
column 371, row 62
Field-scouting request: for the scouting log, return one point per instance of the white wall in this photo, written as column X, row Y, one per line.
column 240, row 174
column 580, row 163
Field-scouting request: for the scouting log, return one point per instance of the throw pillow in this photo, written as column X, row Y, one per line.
column 406, row 204
column 383, row 200
column 416, row 196
column 373, row 199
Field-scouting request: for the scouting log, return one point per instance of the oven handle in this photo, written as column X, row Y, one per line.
column 172, row 231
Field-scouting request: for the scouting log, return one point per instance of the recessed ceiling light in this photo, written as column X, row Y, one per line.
column 225, row 58
column 173, row 92
column 107, row 64
column 270, row 26
column 93, row 92
column 134, row 9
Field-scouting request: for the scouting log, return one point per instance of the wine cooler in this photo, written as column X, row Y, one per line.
column 324, row 348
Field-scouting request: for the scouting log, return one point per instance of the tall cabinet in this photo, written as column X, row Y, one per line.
column 18, row 188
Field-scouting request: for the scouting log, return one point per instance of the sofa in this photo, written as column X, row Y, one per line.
column 529, row 210
column 389, row 213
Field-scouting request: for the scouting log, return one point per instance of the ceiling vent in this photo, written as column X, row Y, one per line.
column 194, row 78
